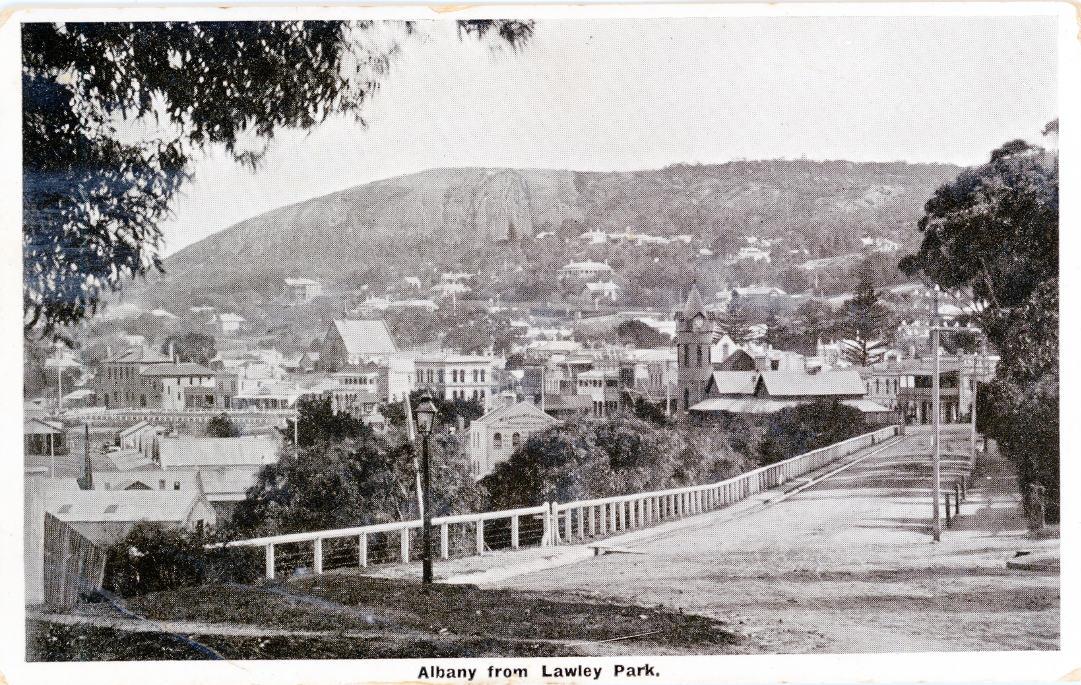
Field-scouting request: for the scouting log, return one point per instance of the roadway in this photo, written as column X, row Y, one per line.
column 847, row 565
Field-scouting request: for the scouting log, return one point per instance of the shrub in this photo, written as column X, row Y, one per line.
column 152, row 558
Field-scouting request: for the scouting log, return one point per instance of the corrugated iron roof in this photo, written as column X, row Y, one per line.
column 366, row 336
column 121, row 505
column 734, row 382
column 189, row 451
column 740, row 405
column 824, row 384
column 181, row 369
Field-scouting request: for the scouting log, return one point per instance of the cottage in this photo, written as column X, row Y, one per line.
column 301, row 290
column 44, row 437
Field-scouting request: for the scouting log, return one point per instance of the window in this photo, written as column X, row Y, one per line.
column 482, row 375
column 686, row 398
column 161, row 484
column 442, row 377
column 699, row 356
column 497, row 441
column 176, row 485
column 686, row 354
column 476, row 375
column 515, row 440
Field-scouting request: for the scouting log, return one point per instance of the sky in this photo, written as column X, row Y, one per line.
column 639, row 94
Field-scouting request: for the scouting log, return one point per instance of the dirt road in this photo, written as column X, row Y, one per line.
column 849, row 565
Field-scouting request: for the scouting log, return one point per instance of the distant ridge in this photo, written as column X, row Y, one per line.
column 437, row 214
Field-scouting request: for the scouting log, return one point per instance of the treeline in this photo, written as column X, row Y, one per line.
column 343, row 475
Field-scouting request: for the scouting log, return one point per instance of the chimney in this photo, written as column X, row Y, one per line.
column 761, row 362
column 172, row 351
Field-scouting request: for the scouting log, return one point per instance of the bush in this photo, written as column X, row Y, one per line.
column 152, row 558
column 221, row 426
column 806, row 427
column 583, row 459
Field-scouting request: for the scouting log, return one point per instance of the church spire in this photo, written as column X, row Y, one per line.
column 694, row 303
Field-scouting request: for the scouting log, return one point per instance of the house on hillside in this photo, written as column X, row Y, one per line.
column 763, row 297
column 227, row 323
column 605, row 292
column 494, row 437
column 586, row 271
column 355, row 341
column 301, row 290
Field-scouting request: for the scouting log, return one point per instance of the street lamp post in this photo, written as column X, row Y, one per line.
column 936, row 458
column 426, row 413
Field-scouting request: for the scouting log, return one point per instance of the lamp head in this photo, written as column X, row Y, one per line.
column 426, row 413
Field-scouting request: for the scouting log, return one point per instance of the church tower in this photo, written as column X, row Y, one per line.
column 694, row 340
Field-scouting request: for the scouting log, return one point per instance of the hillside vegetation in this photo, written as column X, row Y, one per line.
column 472, row 218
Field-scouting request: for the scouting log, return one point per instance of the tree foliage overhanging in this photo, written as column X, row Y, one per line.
column 95, row 192
column 994, row 232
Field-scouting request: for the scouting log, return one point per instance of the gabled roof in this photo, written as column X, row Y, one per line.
column 138, row 355
column 824, row 384
column 135, row 428
column 732, row 382
column 519, row 409
column 189, row 451
column 174, row 370
column 39, row 426
column 365, row 336
column 121, row 505
column 739, row 357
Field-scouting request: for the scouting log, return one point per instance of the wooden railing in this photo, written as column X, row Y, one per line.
column 548, row 524
column 595, row 518
column 513, row 528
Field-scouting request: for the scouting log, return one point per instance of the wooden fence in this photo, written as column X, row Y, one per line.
column 73, row 564
column 551, row 523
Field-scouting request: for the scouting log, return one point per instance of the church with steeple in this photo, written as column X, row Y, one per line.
column 696, row 333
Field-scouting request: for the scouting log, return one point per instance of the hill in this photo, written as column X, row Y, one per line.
column 454, row 218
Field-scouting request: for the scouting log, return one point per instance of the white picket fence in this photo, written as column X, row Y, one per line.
column 554, row 523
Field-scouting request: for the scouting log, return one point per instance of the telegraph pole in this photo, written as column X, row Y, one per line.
column 975, row 387
column 936, row 454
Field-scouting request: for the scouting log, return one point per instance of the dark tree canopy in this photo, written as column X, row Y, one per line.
column 994, row 229
column 94, row 194
column 994, row 232
column 221, row 426
column 195, row 347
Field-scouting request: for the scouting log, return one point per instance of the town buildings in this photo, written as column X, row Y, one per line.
column 120, row 382
column 458, row 376
column 355, row 341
